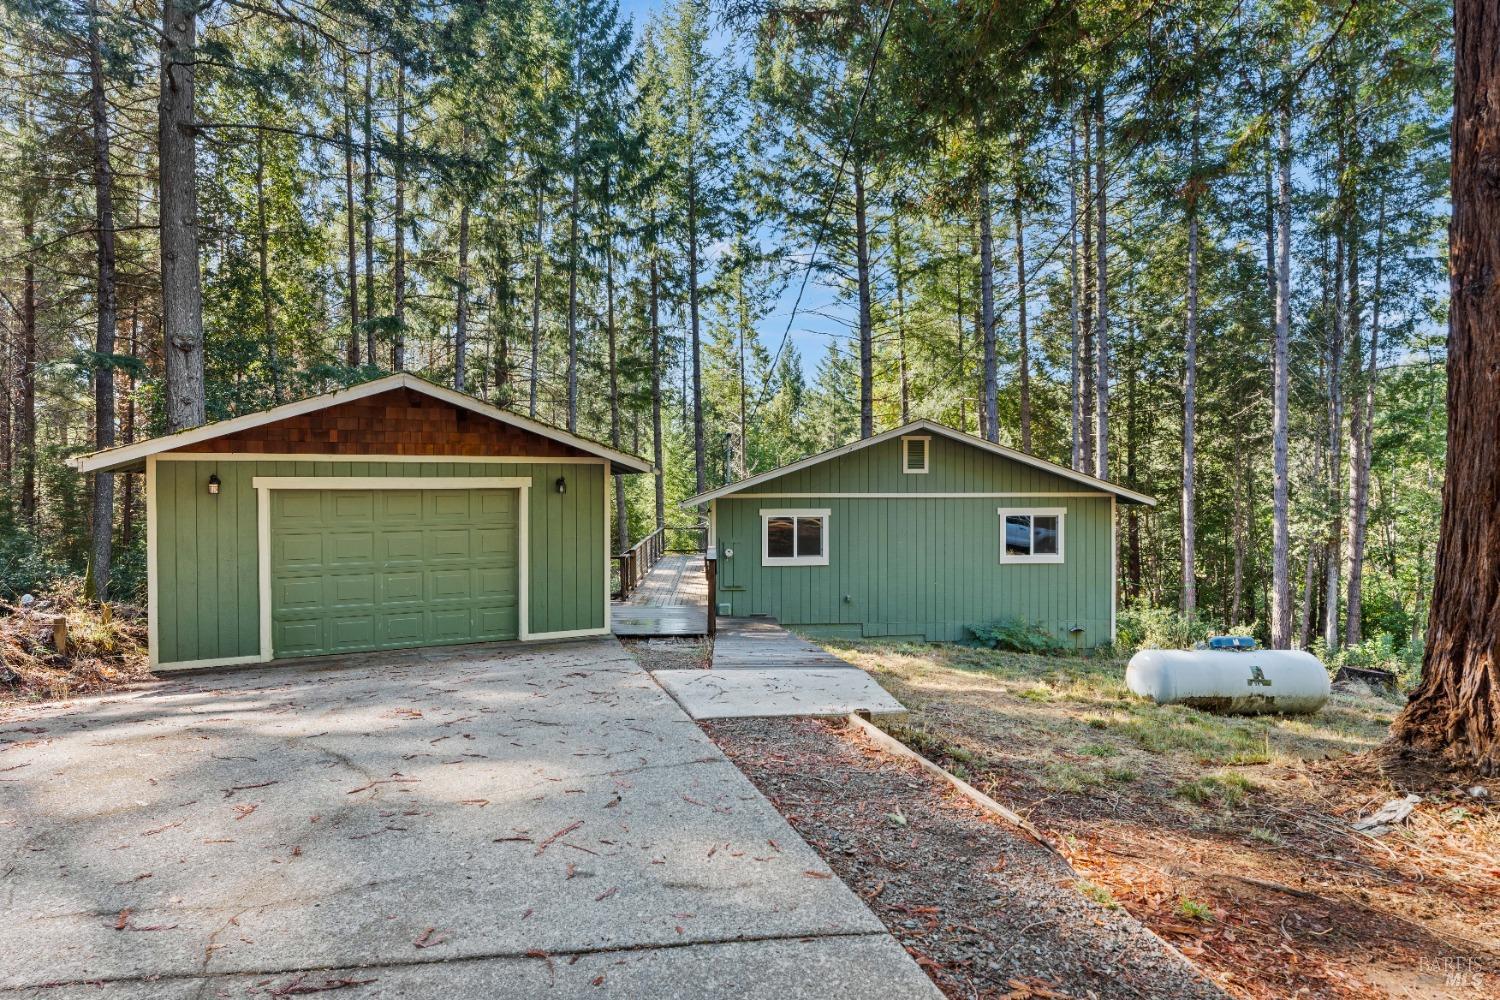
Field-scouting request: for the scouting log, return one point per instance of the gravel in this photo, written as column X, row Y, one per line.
column 985, row 910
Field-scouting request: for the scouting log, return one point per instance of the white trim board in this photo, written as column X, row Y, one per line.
column 153, row 627
column 823, row 516
column 249, row 456
column 936, row 428
column 263, row 486
column 113, row 459
column 389, row 482
column 1045, row 559
column 906, row 440
column 908, row 496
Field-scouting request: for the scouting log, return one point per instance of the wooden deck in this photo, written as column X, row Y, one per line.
column 671, row 601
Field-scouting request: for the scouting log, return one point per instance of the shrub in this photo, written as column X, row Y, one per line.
column 1379, row 652
column 1140, row 626
column 1017, row 635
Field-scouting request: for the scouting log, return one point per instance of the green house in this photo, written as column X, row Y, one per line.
column 392, row 514
column 916, row 533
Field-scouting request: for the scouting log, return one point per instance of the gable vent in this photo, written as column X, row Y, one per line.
column 914, row 454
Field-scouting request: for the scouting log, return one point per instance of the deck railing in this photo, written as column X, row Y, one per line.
column 687, row 537
column 632, row 565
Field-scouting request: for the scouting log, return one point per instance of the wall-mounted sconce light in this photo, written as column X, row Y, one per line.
column 213, row 485
column 561, row 485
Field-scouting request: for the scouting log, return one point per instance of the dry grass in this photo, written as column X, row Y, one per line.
column 1248, row 819
column 104, row 651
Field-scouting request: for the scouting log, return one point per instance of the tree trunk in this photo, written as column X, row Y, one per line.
column 573, row 201
column 989, row 394
column 1362, row 444
column 622, row 520
column 398, row 274
column 866, row 326
column 461, row 315
column 182, row 291
column 351, row 269
column 692, row 221
column 743, row 325
column 898, row 274
column 536, row 301
column 1024, row 362
column 1190, row 396
column 263, row 256
column 1075, row 385
column 656, row 443
column 1335, row 527
column 1456, row 708
column 1101, row 439
column 1281, row 584
column 107, row 310
column 1087, row 368
column 367, row 183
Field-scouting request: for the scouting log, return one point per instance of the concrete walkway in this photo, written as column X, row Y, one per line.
column 499, row 821
column 762, row 670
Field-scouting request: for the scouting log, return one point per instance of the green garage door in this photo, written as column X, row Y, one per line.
column 386, row 569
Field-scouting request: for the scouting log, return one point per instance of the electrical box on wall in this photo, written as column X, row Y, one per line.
column 726, row 609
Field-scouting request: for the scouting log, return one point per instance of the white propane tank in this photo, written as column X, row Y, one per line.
column 1241, row 682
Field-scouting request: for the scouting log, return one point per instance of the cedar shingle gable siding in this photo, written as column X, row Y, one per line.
column 399, row 422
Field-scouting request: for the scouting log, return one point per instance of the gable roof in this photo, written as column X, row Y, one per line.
column 1127, row 495
column 125, row 456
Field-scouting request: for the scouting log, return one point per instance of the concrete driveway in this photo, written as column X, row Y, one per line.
column 498, row 822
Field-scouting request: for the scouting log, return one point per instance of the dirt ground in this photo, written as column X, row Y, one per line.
column 1230, row 837
column 984, row 909
column 103, row 652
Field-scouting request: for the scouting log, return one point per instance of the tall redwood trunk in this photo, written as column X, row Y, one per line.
column 1281, row 584
column 367, row 198
column 1190, row 397
column 1101, row 440
column 263, row 256
column 1023, row 363
column 461, row 309
column 398, row 273
column 656, row 443
column 351, row 251
column 989, row 394
column 1362, row 444
column 106, row 311
column 181, row 284
column 1456, row 708
column 1075, row 375
column 898, row 278
column 866, row 323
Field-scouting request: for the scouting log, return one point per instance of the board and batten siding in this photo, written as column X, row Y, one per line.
column 915, row 560
column 207, row 600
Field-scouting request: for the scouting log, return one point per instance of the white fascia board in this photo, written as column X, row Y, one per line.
column 922, row 425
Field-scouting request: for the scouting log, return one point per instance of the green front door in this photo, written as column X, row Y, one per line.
column 386, row 569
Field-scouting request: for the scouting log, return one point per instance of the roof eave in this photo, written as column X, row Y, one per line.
column 133, row 456
column 1124, row 494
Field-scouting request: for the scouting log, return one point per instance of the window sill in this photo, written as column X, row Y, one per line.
column 1028, row 560
column 794, row 561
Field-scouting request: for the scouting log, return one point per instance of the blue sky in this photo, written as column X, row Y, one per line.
column 819, row 320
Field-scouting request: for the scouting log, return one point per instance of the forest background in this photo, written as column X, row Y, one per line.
column 1197, row 248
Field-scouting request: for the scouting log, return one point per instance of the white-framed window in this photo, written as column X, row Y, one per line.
column 792, row 537
column 914, row 451
column 1031, row 534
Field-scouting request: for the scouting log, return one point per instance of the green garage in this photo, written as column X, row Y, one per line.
column 389, row 515
column 385, row 569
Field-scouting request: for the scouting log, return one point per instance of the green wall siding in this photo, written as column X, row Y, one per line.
column 955, row 468
column 208, row 594
column 920, row 566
